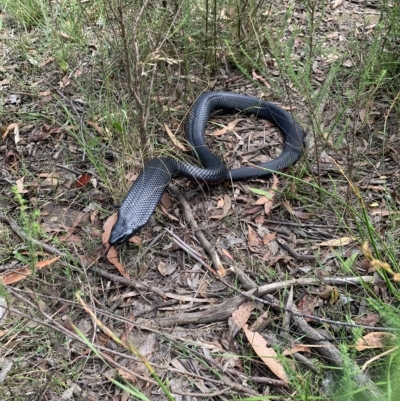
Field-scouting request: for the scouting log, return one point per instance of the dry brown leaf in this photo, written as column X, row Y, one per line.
column 300, row 215
column 64, row 82
column 261, row 79
column 347, row 63
column 241, row 315
column 135, row 240
column 220, row 203
column 112, row 252
column 380, row 212
column 126, row 375
column 18, row 275
column 376, row 339
column 226, row 253
column 166, row 200
column 226, row 206
column 336, row 4
column 112, row 257
column 5, row 82
column 268, row 205
column 307, row 304
column 174, row 140
column 362, row 113
column 107, row 227
column 239, row 318
column 96, row 126
column 338, row 241
column 253, row 210
column 370, row 319
column 329, row 292
column 20, row 186
column 267, row 354
column 13, row 126
column 268, row 238
column 166, row 269
column 65, row 35
column 253, row 239
column 262, row 201
column 227, row 128
column 165, row 212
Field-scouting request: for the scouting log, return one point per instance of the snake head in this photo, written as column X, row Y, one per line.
column 121, row 231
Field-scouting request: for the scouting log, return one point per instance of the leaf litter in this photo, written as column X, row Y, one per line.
column 231, row 218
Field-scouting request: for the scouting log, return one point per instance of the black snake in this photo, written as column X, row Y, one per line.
column 148, row 188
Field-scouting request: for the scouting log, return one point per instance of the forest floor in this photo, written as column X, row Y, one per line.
column 268, row 288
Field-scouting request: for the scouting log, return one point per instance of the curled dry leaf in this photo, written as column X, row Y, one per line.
column 225, row 204
column 166, row 269
column 370, row 319
column 95, row 126
column 261, row 79
column 112, row 253
column 14, row 127
column 267, row 354
column 12, row 158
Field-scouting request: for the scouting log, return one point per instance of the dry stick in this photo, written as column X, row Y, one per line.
column 286, row 330
column 193, row 224
column 192, row 252
column 245, row 280
column 107, row 350
column 18, row 230
column 187, row 211
column 205, row 318
column 277, row 306
column 293, row 253
column 295, row 224
column 332, row 353
column 129, row 283
column 224, row 380
column 54, row 251
column 149, row 246
column 268, row 288
column 215, row 313
column 286, row 316
column 61, row 329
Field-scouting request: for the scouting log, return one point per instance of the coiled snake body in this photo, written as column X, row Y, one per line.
column 148, row 188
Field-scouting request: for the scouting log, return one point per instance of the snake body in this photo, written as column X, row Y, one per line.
column 145, row 193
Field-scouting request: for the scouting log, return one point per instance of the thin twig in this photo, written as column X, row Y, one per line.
column 197, row 232
column 18, row 230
